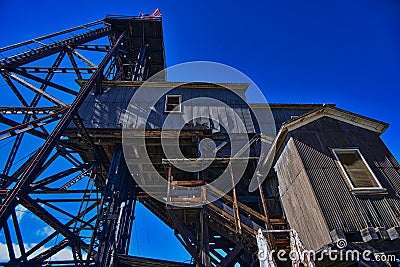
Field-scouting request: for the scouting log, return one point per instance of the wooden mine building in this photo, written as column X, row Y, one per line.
column 332, row 177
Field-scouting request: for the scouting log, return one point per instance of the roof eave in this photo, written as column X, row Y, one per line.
column 332, row 112
column 341, row 115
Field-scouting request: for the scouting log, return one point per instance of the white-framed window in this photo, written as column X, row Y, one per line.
column 173, row 103
column 356, row 169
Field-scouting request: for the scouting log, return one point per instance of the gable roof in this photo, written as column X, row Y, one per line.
column 326, row 111
column 338, row 114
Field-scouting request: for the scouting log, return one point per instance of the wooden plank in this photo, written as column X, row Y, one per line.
column 235, row 202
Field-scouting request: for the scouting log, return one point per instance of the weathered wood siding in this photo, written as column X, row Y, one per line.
column 298, row 199
column 109, row 110
column 341, row 208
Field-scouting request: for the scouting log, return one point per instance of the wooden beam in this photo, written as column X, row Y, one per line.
column 236, row 213
column 204, row 238
column 268, row 226
column 169, row 178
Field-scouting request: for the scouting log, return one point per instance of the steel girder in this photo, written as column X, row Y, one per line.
column 39, row 184
column 99, row 228
column 115, row 218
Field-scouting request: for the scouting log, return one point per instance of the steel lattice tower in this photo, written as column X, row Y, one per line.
column 63, row 101
column 74, row 180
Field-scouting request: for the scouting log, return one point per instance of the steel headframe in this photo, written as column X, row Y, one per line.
column 19, row 187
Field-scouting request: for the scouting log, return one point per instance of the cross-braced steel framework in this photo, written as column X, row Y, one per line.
column 82, row 194
column 57, row 182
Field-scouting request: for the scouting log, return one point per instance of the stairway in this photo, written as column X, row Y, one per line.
column 222, row 211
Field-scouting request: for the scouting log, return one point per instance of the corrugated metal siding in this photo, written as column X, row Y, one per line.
column 341, row 208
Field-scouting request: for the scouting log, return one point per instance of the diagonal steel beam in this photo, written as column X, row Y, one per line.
column 187, row 239
column 39, row 259
column 53, row 48
column 34, row 102
column 51, row 236
column 68, row 214
column 43, row 153
column 45, row 81
column 49, row 36
column 35, row 89
column 230, row 257
column 48, row 218
column 81, row 57
column 75, row 65
column 14, row 89
column 59, row 175
column 24, row 127
column 13, row 123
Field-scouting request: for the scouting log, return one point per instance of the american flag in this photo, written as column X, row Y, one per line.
column 155, row 15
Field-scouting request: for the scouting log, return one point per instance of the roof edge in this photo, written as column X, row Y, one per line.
column 339, row 114
column 160, row 84
column 290, row 105
column 332, row 112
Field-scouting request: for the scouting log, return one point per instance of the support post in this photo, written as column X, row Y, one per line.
column 204, row 239
column 235, row 203
column 169, row 178
column 268, row 226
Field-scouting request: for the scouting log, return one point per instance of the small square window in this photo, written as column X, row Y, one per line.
column 173, row 103
column 356, row 169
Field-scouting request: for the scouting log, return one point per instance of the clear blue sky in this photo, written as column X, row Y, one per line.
column 343, row 52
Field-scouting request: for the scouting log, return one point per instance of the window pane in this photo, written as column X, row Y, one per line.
column 172, row 102
column 356, row 169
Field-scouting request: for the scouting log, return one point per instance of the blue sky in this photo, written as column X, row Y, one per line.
column 342, row 52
